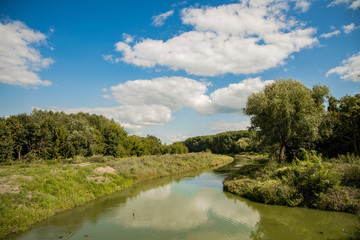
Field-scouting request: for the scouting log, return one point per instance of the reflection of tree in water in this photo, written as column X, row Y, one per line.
column 279, row 222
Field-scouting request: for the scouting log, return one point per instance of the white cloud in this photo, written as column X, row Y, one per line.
column 127, row 38
column 19, row 59
column 131, row 118
column 303, row 5
column 354, row 4
column 147, row 103
column 160, row 19
column 243, row 38
column 110, row 58
column 168, row 139
column 348, row 28
column 349, row 70
column 229, row 126
column 330, row 34
column 233, row 98
column 170, row 92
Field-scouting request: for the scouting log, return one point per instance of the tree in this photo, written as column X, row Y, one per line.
column 17, row 133
column 6, row 142
column 287, row 114
column 178, row 148
column 349, row 116
column 114, row 137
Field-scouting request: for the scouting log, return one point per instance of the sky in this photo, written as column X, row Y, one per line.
column 172, row 69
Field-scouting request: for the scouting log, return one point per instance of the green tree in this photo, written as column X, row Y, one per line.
column 287, row 114
column 61, row 146
column 18, row 135
column 178, row 148
column 6, row 143
column 114, row 137
column 347, row 122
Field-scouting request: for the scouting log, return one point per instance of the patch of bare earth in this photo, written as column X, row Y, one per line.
column 102, row 170
column 82, row 164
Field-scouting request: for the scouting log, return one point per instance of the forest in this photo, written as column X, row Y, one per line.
column 51, row 135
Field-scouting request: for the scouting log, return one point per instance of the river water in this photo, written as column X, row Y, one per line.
column 191, row 206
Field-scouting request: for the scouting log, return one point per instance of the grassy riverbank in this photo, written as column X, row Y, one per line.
column 311, row 182
column 32, row 192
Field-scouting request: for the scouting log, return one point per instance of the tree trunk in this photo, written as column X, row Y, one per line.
column 282, row 153
column 356, row 149
column 19, row 154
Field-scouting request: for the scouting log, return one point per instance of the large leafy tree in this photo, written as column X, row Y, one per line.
column 287, row 114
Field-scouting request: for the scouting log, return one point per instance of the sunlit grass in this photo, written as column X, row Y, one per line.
column 33, row 192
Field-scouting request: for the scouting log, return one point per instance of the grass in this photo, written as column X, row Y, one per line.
column 32, row 192
column 311, row 182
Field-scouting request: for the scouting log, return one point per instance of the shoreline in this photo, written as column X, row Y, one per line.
column 34, row 192
column 318, row 184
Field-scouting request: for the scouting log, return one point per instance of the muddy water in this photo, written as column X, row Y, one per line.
column 189, row 207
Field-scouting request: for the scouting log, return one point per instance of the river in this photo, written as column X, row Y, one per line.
column 191, row 206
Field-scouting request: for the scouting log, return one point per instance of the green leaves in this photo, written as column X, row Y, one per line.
column 47, row 135
column 287, row 114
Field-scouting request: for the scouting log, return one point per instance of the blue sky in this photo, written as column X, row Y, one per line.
column 173, row 69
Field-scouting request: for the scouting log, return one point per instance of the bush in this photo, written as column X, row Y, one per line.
column 304, row 182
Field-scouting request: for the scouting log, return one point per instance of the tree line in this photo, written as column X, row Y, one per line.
column 287, row 117
column 231, row 142
column 52, row 135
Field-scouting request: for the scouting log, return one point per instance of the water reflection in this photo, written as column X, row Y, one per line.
column 189, row 207
column 181, row 207
column 279, row 222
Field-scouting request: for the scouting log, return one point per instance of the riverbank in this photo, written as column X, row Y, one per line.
column 32, row 192
column 311, row 182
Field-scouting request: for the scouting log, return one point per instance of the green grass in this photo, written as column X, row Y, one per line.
column 311, row 182
column 32, row 192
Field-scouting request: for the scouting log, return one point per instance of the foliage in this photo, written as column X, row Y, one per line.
column 178, row 148
column 287, row 114
column 309, row 181
column 52, row 135
column 344, row 125
column 223, row 143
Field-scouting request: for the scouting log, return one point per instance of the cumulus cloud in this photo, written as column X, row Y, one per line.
column 229, row 126
column 171, row 92
column 330, row 34
column 349, row 70
column 20, row 60
column 354, row 4
column 132, row 118
column 233, row 98
column 160, row 19
column 348, row 28
column 242, row 38
column 146, row 103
